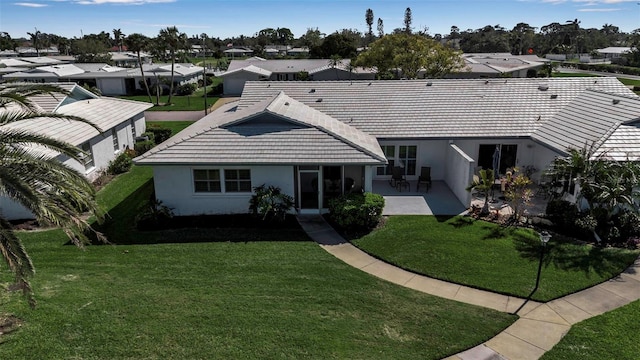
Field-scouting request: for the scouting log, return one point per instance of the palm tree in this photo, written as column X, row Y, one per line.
column 138, row 43
column 55, row 194
column 34, row 40
column 483, row 183
column 118, row 37
column 172, row 40
column 334, row 62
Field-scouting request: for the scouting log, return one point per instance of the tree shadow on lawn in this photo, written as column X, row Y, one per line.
column 572, row 257
column 120, row 226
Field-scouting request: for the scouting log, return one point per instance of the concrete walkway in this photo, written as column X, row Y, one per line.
column 540, row 326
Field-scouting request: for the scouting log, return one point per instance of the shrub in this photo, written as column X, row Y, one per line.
column 121, row 164
column 216, row 90
column 562, row 213
column 356, row 211
column 186, row 89
column 270, row 203
column 154, row 215
column 142, row 147
column 159, row 134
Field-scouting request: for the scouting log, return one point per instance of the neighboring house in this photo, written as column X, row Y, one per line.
column 316, row 140
column 129, row 59
column 110, row 80
column 613, row 52
column 488, row 65
column 31, row 51
column 121, row 121
column 238, row 52
column 259, row 69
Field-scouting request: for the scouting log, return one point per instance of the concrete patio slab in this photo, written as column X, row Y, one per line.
column 438, row 201
column 511, row 347
column 541, row 334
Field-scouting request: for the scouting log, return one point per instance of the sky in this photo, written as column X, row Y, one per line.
column 228, row 18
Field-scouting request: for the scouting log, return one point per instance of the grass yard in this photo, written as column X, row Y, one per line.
column 613, row 335
column 193, row 102
column 487, row 256
column 281, row 297
column 175, row 126
column 570, row 74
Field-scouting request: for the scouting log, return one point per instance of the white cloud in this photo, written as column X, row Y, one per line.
column 121, row 2
column 32, row 5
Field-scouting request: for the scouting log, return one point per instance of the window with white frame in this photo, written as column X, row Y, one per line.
column 114, row 136
column 237, row 180
column 407, row 155
column 390, row 154
column 207, row 180
column 86, row 156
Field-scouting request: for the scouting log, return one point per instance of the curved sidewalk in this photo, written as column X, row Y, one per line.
column 540, row 326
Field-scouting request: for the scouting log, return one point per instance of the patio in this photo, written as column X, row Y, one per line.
column 438, row 201
column 441, row 201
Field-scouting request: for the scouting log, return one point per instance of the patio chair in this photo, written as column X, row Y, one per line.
column 398, row 180
column 424, row 178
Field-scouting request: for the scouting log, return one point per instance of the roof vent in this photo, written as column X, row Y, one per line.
column 616, row 101
column 543, row 87
column 369, row 84
column 486, row 82
column 429, row 83
column 319, row 100
column 312, row 91
column 286, row 104
column 554, row 96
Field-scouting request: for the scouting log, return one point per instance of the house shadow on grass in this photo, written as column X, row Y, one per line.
column 606, row 262
column 120, row 226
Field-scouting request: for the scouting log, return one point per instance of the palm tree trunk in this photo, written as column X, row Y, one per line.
column 144, row 79
column 173, row 61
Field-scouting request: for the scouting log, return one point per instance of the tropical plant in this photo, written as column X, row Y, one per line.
column 118, row 37
column 518, row 194
column 270, row 203
column 137, row 43
column 172, row 40
column 483, row 183
column 31, row 176
column 368, row 17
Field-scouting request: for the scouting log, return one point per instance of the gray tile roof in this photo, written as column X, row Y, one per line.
column 276, row 130
column 589, row 119
column 438, row 108
column 623, row 144
column 280, row 65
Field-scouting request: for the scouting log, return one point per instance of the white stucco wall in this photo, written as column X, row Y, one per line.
column 233, row 84
column 459, row 173
column 11, row 210
column 174, row 187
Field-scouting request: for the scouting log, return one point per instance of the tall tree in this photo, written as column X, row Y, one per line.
column 90, row 50
column 408, row 19
column 410, row 54
column 6, row 42
column 35, row 40
column 138, row 43
column 172, row 40
column 118, row 38
column 380, row 28
column 55, row 193
column 368, row 17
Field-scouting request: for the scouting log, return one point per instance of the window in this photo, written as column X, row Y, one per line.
column 408, row 156
column 390, row 154
column 206, row 180
column 133, row 130
column 86, row 157
column 237, row 180
column 114, row 135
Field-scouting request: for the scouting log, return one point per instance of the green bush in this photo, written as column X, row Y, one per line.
column 120, row 164
column 186, row 89
column 160, row 134
column 154, row 215
column 563, row 214
column 142, row 147
column 356, row 211
column 270, row 203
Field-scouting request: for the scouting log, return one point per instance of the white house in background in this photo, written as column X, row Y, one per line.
column 613, row 52
column 259, row 69
column 238, row 52
column 316, row 140
column 110, row 80
column 121, row 121
column 487, row 65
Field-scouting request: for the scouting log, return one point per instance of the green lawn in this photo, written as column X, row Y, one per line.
column 612, row 335
column 487, row 256
column 175, row 126
column 570, row 74
column 281, row 297
column 193, row 102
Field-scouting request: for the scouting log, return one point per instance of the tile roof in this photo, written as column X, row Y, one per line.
column 276, row 130
column 623, row 144
column 589, row 119
column 438, row 108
